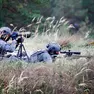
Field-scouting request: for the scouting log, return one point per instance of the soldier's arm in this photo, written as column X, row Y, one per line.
column 47, row 58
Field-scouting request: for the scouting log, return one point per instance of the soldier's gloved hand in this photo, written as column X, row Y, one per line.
column 14, row 35
column 20, row 40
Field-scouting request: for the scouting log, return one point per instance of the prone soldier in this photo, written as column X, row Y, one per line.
column 5, row 35
column 49, row 55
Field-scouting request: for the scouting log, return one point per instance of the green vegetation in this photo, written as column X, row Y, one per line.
column 89, row 6
column 21, row 12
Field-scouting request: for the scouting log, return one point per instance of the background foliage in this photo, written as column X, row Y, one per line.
column 21, row 12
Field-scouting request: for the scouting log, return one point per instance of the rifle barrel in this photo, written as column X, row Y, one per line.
column 76, row 52
column 69, row 53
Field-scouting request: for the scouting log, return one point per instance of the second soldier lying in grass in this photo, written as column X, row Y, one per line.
column 49, row 55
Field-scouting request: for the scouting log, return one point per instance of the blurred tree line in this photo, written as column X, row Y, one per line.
column 21, row 12
column 80, row 9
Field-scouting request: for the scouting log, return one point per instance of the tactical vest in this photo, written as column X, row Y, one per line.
column 36, row 56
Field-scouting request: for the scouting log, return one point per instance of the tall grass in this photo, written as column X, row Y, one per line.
column 64, row 76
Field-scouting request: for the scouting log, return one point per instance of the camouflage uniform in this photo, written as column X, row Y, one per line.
column 4, row 31
column 48, row 55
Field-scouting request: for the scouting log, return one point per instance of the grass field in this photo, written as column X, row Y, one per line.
column 64, row 76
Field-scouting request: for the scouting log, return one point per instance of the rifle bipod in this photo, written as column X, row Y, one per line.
column 22, row 52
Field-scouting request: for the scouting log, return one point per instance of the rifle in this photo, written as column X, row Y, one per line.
column 69, row 53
